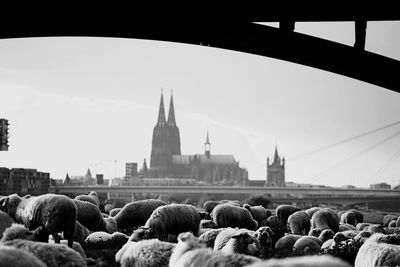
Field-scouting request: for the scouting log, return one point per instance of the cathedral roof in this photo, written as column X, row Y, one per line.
column 212, row 159
column 171, row 113
column 161, row 112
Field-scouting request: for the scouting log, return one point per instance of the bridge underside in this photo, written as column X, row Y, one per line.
column 245, row 37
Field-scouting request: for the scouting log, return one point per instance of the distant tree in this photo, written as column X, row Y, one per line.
column 257, row 201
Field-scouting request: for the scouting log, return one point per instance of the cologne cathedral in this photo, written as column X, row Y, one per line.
column 167, row 161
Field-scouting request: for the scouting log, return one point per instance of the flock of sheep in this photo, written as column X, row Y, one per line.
column 55, row 231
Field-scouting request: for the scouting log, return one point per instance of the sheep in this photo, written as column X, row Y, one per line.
column 81, row 233
column 348, row 217
column 326, row 235
column 108, row 207
column 18, row 231
column 375, row 253
column 387, row 219
column 284, row 246
column 89, row 198
column 315, row 232
column 235, row 240
column 391, row 230
column 299, row 223
column 303, row 261
column 312, row 210
column 277, row 225
column 259, row 213
column 56, row 213
column 5, row 222
column 208, row 237
column 104, row 246
column 111, row 225
column 362, row 226
column 325, row 218
column 398, row 222
column 264, row 235
column 226, row 215
column 152, row 252
column 170, row 219
column 136, row 214
column 345, row 227
column 392, row 224
column 209, row 205
column 284, row 211
column 190, row 252
column 12, row 257
column 307, row 245
column 53, row 255
column 207, row 224
column 89, row 215
column 375, row 228
column 114, row 212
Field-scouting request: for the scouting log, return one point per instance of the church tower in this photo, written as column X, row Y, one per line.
column 166, row 141
column 207, row 147
column 276, row 171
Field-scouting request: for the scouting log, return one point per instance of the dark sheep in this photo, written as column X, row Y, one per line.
column 357, row 213
column 315, row 232
column 392, row 224
column 136, row 213
column 284, row 246
column 277, row 225
column 171, row 219
column 348, row 217
column 226, row 215
column 209, row 205
column 12, row 257
column 325, row 218
column 5, row 222
column 284, row 211
column 307, row 245
column 299, row 223
column 89, row 215
column 89, row 199
column 259, row 213
column 56, row 213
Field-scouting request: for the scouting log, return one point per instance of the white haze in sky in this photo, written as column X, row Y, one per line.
column 79, row 103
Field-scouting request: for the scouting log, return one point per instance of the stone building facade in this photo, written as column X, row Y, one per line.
column 276, row 171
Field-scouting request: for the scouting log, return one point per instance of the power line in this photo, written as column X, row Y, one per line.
column 342, row 141
column 384, row 167
column 355, row 155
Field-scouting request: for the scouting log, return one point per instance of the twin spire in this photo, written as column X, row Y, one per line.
column 171, row 113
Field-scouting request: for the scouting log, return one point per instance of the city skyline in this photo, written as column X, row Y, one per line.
column 74, row 102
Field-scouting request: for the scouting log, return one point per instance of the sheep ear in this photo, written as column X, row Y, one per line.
column 4, row 202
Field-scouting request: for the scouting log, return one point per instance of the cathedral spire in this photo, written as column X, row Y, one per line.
column 161, row 111
column 207, row 146
column 171, row 112
column 276, row 156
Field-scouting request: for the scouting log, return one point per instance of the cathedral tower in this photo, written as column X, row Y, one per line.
column 166, row 141
column 276, row 171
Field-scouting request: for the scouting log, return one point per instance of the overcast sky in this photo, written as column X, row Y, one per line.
column 79, row 103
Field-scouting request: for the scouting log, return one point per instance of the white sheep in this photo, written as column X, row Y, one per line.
column 235, row 240
column 190, row 252
column 151, row 252
column 303, row 261
column 376, row 253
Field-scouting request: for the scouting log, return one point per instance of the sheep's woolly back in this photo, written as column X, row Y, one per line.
column 226, row 215
column 259, row 213
column 18, row 231
column 94, row 200
column 209, row 205
column 307, row 245
column 325, row 218
column 312, row 210
column 372, row 253
column 81, row 233
column 5, row 222
column 152, row 252
column 237, row 241
column 53, row 255
column 284, row 211
column 104, row 240
column 304, row 261
column 208, row 238
column 89, row 215
column 284, row 246
column 299, row 223
column 388, row 218
column 174, row 219
column 12, row 257
column 136, row 213
column 114, row 212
